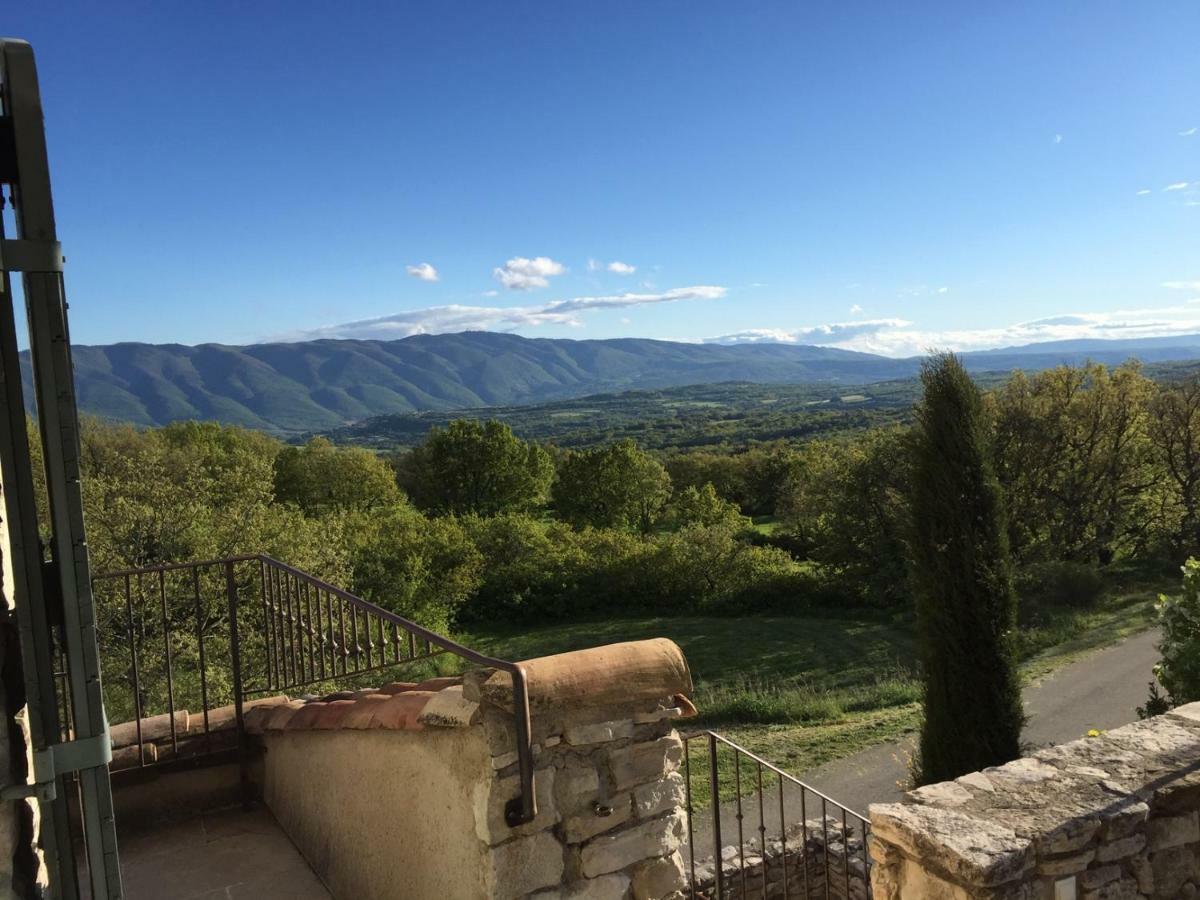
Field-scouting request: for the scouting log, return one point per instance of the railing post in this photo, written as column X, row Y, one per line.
column 235, row 653
column 715, row 785
column 522, row 809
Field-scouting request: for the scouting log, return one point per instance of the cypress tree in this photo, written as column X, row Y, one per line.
column 962, row 578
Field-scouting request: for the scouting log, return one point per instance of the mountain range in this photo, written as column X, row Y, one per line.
column 292, row 388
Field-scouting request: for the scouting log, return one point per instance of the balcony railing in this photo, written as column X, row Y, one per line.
column 212, row 636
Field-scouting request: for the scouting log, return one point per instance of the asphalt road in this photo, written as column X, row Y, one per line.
column 1100, row 691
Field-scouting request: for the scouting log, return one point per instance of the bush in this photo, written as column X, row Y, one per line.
column 1179, row 669
column 1073, row 584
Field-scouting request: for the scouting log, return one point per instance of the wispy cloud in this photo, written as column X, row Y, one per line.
column 621, row 268
column 1182, row 285
column 1058, row 139
column 1177, row 186
column 1188, row 132
column 424, row 271
column 522, row 274
column 856, row 310
column 455, row 317
column 899, row 337
column 1144, row 191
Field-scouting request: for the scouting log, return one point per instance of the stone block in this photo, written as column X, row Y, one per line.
column 526, row 864
column 1127, row 846
column 613, row 852
column 448, row 708
column 584, row 733
column 659, row 797
column 659, row 877
column 639, row 763
column 971, row 850
column 606, row 887
column 1124, row 889
column 1124, row 818
column 1173, row 868
column 1095, row 878
column 1066, row 865
column 576, row 787
column 589, row 822
column 492, row 796
column 1173, row 831
column 1070, row 836
column 946, row 793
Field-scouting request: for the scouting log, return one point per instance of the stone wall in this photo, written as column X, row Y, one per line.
column 801, row 865
column 1104, row 818
column 400, row 792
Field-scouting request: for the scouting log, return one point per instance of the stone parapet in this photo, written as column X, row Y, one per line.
column 401, row 791
column 1106, row 817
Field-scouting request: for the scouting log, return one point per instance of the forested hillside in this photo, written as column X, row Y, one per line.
column 303, row 387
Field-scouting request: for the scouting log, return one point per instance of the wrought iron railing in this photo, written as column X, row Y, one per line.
column 216, row 634
column 828, row 857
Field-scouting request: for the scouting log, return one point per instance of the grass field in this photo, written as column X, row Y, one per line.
column 807, row 689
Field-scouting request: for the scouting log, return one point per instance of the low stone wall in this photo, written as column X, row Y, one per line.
column 401, row 793
column 1113, row 817
column 800, row 866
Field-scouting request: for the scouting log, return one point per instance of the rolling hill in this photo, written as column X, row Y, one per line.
column 321, row 385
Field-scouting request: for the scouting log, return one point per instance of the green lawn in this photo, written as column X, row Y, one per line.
column 807, row 689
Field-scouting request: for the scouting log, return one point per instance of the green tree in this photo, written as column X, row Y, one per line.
column 846, row 506
column 422, row 568
column 618, row 486
column 478, row 467
column 321, row 478
column 1073, row 456
column 1174, row 427
column 703, row 506
column 966, row 607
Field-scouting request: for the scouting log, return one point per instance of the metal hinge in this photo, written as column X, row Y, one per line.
column 31, row 256
column 58, row 759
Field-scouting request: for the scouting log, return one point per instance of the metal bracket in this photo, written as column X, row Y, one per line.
column 58, row 759
column 31, row 256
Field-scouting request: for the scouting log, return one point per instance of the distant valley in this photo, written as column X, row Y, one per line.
column 315, row 386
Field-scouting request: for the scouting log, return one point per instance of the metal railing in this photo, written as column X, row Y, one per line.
column 828, row 857
column 216, row 633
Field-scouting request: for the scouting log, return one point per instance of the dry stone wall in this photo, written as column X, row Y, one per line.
column 1113, row 817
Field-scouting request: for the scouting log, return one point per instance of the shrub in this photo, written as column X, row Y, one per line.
column 1179, row 669
column 1064, row 583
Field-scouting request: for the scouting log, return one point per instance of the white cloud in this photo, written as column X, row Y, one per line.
column 1058, row 139
column 1144, row 191
column 898, row 337
column 1188, row 133
column 1177, row 186
column 1182, row 285
column 455, row 317
column 424, row 271
column 943, row 290
column 621, row 268
column 856, row 310
column 521, row 274
column 593, row 266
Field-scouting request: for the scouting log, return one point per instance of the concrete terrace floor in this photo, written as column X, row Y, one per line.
column 227, row 855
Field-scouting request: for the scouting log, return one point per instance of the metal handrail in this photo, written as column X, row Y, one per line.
column 294, row 623
column 714, row 741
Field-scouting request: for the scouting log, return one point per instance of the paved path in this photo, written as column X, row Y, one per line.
column 1102, row 690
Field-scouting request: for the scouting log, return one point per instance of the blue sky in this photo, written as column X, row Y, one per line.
column 883, row 177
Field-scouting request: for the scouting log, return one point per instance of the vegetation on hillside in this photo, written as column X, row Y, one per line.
column 478, row 530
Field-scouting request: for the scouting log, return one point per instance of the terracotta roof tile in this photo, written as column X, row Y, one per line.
column 397, row 687
column 332, row 713
column 436, row 684
column 359, row 716
column 306, row 716
column 278, row 716
column 401, row 711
